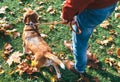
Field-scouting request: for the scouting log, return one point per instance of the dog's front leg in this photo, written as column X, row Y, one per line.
column 24, row 50
column 57, row 70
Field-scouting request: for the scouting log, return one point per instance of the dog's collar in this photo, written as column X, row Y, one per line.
column 31, row 24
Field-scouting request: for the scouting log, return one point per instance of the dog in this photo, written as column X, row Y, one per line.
column 35, row 44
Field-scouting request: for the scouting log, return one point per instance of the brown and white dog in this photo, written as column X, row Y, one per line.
column 34, row 43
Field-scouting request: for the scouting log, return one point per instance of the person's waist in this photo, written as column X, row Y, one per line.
column 99, row 4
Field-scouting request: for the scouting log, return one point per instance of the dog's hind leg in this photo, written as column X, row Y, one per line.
column 25, row 50
column 57, row 70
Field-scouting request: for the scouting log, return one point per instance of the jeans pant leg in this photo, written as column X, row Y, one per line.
column 87, row 21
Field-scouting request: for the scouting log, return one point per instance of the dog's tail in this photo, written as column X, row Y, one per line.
column 55, row 59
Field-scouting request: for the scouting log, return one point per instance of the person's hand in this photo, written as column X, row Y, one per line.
column 67, row 21
column 70, row 23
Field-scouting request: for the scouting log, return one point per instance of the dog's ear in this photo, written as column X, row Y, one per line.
column 35, row 17
column 25, row 19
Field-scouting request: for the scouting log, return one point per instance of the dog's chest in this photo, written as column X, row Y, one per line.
column 34, row 40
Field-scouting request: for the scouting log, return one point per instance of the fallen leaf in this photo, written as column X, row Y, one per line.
column 51, row 27
column 11, row 72
column 112, row 31
column 21, row 3
column 118, row 52
column 3, row 9
column 117, row 8
column 118, row 26
column 1, row 71
column 93, row 61
column 33, row 64
column 96, row 79
column 110, row 51
column 110, row 61
column 16, row 34
column 39, row 8
column 7, row 49
column 15, row 57
column 54, row 78
column 106, row 41
column 105, row 24
column 51, row 10
column 41, row 3
column 117, row 15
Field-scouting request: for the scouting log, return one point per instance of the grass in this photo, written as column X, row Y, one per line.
column 56, row 37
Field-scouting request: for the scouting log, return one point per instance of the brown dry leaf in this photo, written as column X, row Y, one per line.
column 112, row 31
column 110, row 51
column 110, row 61
column 106, row 41
column 92, row 61
column 118, row 52
column 96, row 79
column 29, row 70
column 15, row 57
column 3, row 9
column 105, row 24
column 16, row 34
column 22, row 67
column 25, row 67
column 7, row 49
column 4, row 24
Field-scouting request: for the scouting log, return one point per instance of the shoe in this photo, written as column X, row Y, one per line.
column 68, row 44
column 82, row 76
column 70, row 66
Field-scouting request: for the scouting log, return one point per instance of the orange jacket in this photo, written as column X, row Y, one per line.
column 73, row 7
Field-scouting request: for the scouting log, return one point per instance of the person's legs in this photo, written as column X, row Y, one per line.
column 87, row 20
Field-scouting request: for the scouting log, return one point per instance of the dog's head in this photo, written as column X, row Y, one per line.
column 30, row 16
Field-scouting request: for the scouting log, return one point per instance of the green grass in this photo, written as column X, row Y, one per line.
column 55, row 40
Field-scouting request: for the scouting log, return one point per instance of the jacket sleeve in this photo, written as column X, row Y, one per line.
column 73, row 7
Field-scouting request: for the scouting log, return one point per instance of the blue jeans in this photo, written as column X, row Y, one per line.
column 87, row 21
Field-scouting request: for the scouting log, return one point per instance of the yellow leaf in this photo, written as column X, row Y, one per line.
column 11, row 72
column 54, row 78
column 33, row 64
column 1, row 71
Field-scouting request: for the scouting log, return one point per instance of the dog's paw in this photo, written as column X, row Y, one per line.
column 62, row 65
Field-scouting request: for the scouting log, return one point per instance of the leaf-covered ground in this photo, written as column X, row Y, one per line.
column 103, row 64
